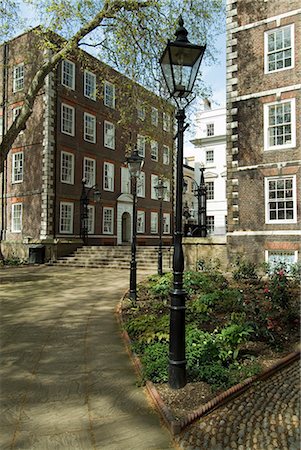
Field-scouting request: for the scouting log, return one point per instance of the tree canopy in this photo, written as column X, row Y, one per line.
column 129, row 35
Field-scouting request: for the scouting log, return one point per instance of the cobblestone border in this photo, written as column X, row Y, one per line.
column 176, row 426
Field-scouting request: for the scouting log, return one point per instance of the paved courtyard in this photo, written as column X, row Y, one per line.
column 66, row 381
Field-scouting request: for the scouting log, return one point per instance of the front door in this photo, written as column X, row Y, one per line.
column 126, row 227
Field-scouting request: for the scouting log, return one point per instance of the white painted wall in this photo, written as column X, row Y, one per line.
column 215, row 171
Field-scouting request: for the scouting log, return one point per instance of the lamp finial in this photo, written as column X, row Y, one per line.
column 181, row 32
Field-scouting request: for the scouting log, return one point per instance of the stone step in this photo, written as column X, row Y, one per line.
column 152, row 267
column 117, row 258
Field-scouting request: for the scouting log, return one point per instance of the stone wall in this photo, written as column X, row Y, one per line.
column 208, row 249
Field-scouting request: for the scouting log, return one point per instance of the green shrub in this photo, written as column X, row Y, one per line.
column 201, row 348
column 13, row 261
column 203, row 282
column 238, row 318
column 155, row 362
column 245, row 270
column 139, row 325
column 230, row 338
column 210, row 299
column 277, row 290
column 214, row 374
column 160, row 286
column 230, row 299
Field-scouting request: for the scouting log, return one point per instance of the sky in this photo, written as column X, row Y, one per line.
column 214, row 76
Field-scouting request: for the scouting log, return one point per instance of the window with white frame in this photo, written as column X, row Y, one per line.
column 141, row 145
column 17, row 167
column 109, row 94
column 68, row 74
column 210, row 224
column 89, row 172
column 281, row 258
column 279, row 49
column 154, row 150
column 154, row 222
column 18, row 77
column 210, row 129
column 66, row 217
column 280, row 199
column 280, row 125
column 166, row 122
column 108, row 220
column 125, row 181
column 67, row 120
column 140, row 221
column 109, row 135
column 166, row 223
column 89, row 128
column 89, row 85
column 166, row 183
column 209, row 156
column 141, row 111
column 108, row 177
column 91, row 219
column 16, row 217
column 154, row 183
column 141, row 185
column 166, row 158
column 67, row 167
column 154, row 116
column 210, row 190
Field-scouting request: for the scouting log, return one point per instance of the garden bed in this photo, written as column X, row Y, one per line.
column 236, row 326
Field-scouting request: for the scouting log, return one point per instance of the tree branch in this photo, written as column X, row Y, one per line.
column 110, row 9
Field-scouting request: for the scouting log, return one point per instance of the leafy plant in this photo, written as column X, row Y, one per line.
column 277, row 290
column 160, row 286
column 230, row 338
column 201, row 348
column 13, row 261
column 155, row 362
column 203, row 282
column 139, row 325
column 229, row 300
column 245, row 270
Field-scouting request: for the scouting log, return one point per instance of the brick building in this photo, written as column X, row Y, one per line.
column 263, row 129
column 85, row 119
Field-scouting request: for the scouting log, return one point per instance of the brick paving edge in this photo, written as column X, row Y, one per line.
column 176, row 426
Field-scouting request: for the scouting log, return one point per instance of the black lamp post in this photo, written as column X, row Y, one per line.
column 160, row 188
column 134, row 163
column 180, row 62
column 84, row 202
column 200, row 192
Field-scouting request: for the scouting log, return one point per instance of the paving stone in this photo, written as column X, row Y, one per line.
column 67, row 382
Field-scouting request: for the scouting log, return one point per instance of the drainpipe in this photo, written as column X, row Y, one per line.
column 3, row 168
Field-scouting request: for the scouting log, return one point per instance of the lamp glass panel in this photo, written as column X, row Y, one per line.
column 134, row 168
column 180, row 64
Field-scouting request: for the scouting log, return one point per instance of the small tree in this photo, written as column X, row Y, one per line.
column 130, row 35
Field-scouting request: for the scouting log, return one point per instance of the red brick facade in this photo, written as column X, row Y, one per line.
column 263, row 128
column 42, row 189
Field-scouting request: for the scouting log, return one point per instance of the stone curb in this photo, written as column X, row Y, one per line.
column 176, row 426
